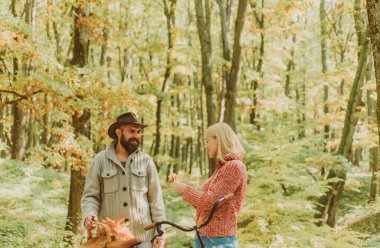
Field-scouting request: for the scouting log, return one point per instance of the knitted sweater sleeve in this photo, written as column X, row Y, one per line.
column 227, row 182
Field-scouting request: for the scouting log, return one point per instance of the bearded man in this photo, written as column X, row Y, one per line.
column 123, row 182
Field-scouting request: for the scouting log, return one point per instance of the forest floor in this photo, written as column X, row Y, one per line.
column 33, row 208
column 355, row 212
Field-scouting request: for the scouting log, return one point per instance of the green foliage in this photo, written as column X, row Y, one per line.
column 280, row 208
column 33, row 206
column 284, row 147
column 182, row 213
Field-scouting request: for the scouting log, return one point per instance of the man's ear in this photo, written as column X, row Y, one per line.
column 118, row 132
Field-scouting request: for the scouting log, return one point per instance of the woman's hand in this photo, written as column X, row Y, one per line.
column 178, row 187
column 159, row 242
column 174, row 178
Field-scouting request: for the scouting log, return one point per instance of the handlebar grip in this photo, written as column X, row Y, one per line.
column 148, row 227
column 229, row 196
column 200, row 221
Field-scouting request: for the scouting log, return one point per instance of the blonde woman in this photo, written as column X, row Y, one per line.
column 229, row 177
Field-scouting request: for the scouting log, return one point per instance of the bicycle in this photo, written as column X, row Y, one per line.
column 195, row 228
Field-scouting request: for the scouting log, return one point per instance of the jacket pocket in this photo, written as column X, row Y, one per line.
column 138, row 179
column 110, row 181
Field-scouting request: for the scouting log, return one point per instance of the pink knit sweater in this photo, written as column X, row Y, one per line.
column 230, row 177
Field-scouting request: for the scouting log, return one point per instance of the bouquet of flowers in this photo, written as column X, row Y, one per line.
column 111, row 234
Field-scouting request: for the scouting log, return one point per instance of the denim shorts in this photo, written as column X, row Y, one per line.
column 219, row 242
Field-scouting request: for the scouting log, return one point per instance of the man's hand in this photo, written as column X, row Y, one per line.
column 89, row 222
column 159, row 242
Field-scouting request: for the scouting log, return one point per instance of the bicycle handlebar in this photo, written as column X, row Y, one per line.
column 158, row 224
column 148, row 227
column 229, row 196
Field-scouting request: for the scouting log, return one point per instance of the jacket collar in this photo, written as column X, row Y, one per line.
column 112, row 155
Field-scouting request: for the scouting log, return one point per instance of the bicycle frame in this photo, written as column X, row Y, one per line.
column 195, row 228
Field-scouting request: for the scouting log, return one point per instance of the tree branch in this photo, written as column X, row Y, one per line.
column 21, row 97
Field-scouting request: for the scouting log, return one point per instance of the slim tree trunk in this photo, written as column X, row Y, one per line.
column 301, row 116
column 46, row 130
column 2, row 134
column 18, row 131
column 200, row 124
column 191, row 155
column 82, row 126
column 329, row 202
column 176, row 153
column 103, row 52
column 19, row 135
column 374, row 154
column 353, row 106
column 226, row 52
column 57, row 38
column 373, row 151
column 30, row 141
column 359, row 23
column 170, row 24
column 322, row 15
column 290, row 68
column 373, row 12
column 203, row 17
column 255, row 83
column 203, row 24
column 80, row 121
column 235, row 69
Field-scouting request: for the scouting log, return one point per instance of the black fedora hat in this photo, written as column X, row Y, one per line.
column 126, row 118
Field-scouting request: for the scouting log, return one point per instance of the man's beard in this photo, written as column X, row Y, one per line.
column 128, row 145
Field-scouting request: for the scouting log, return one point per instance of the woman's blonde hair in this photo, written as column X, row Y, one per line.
column 227, row 140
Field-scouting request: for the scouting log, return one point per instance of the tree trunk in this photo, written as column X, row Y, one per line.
column 203, row 24
column 103, row 52
column 235, row 69
column 359, row 23
column 329, row 202
column 301, row 115
column 46, row 130
column 373, row 12
column 374, row 154
column 31, row 134
column 82, row 126
column 290, row 68
column 226, row 52
column 200, row 124
column 57, row 38
column 255, row 83
column 81, row 122
column 170, row 24
column 353, row 106
column 322, row 15
column 80, row 39
column 373, row 151
column 18, row 131
column 19, row 135
column 191, row 155
column 2, row 134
